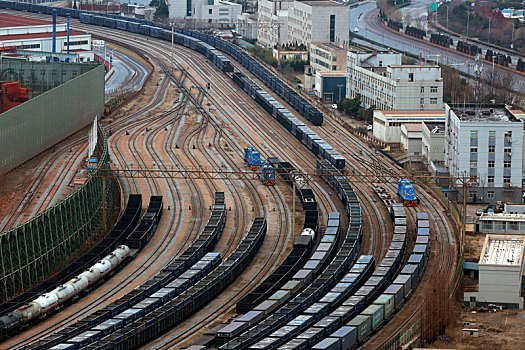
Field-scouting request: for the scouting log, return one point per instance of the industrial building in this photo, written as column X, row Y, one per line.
column 30, row 34
column 314, row 21
column 501, row 223
column 387, row 124
column 383, row 82
column 411, row 139
column 211, row 11
column 500, row 272
column 326, row 56
column 433, row 142
column 487, row 142
column 273, row 23
column 330, row 86
column 247, row 25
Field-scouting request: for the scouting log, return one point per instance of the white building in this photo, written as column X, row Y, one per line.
column 326, row 57
column 247, row 25
column 501, row 223
column 411, row 135
column 383, row 82
column 313, row 21
column 273, row 23
column 433, row 142
column 211, row 11
column 32, row 34
column 500, row 272
column 486, row 142
column 387, row 124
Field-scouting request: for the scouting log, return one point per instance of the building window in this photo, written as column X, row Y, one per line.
column 410, row 76
column 422, row 89
column 334, row 59
column 492, row 149
column 473, row 164
column 474, row 134
column 473, row 150
column 433, row 101
column 210, row 11
column 433, row 89
column 508, row 151
column 490, row 194
column 491, row 164
column 332, row 28
column 422, row 100
column 491, row 179
column 472, row 194
column 506, row 179
column 492, row 133
column 508, row 134
column 507, row 164
column 334, row 67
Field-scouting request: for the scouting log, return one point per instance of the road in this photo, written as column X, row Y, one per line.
column 364, row 18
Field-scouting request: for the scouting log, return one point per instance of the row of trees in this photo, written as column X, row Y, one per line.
column 353, row 108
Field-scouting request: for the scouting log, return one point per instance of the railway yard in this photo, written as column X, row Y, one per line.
column 191, row 115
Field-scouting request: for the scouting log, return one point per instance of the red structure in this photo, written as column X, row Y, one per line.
column 11, row 95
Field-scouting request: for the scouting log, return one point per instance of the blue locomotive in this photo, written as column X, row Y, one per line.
column 267, row 173
column 252, row 157
column 406, row 191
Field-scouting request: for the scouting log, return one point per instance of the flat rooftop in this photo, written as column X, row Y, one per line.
column 328, row 46
column 40, row 35
column 502, row 217
column 413, row 127
column 337, row 74
column 411, row 114
column 483, row 113
column 435, row 128
column 413, row 66
column 502, row 250
column 7, row 20
column 323, row 3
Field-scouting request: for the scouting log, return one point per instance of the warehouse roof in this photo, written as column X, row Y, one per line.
column 7, row 20
column 502, row 217
column 322, row 3
column 39, row 35
column 502, row 250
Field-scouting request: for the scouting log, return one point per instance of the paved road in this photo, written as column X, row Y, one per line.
column 128, row 73
column 364, row 18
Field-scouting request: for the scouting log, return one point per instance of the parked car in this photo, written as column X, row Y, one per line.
column 479, row 212
column 334, row 106
column 369, row 128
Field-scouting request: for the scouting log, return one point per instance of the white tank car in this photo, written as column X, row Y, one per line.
column 91, row 274
column 64, row 292
column 122, row 252
column 308, row 232
column 102, row 267
column 79, row 283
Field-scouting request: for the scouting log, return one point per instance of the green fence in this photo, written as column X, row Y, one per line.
column 36, row 249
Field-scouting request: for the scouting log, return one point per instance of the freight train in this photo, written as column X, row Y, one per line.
column 407, row 193
column 211, row 47
column 58, row 296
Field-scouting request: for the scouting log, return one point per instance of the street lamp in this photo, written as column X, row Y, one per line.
column 339, row 86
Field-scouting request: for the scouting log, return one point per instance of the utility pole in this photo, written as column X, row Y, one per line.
column 489, row 29
column 339, row 86
column 512, row 37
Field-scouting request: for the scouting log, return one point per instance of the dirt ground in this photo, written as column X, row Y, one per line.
column 497, row 330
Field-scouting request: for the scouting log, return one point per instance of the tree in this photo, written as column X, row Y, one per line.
column 350, row 105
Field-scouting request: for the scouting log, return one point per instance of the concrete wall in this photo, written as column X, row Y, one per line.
column 36, row 125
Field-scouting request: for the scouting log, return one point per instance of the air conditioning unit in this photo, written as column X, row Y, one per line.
column 422, row 106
